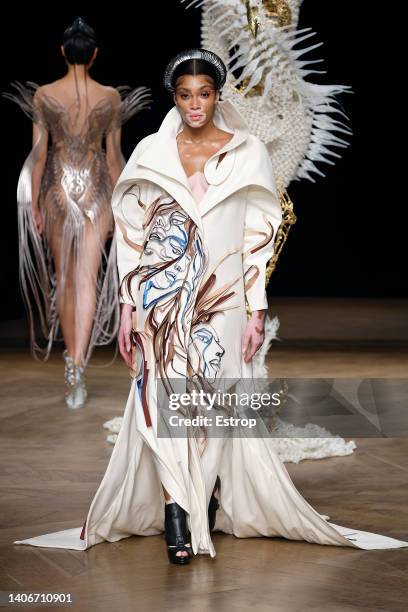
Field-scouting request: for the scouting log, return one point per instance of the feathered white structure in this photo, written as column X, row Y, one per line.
column 301, row 123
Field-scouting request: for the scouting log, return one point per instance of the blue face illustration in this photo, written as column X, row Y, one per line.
column 207, row 353
column 167, row 242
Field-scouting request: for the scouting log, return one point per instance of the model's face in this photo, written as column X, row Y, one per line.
column 196, row 97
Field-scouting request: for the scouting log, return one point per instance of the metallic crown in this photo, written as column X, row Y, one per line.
column 198, row 54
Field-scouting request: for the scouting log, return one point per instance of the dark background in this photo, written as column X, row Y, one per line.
column 348, row 241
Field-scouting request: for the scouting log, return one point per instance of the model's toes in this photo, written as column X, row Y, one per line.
column 182, row 553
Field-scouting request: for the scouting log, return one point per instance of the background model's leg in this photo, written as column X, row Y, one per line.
column 65, row 295
column 88, row 264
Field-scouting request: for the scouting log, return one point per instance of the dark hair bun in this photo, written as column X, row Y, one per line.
column 79, row 42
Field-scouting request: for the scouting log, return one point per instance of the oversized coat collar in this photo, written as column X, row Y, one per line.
column 156, row 159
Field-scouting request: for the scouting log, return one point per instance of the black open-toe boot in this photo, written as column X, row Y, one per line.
column 213, row 505
column 176, row 534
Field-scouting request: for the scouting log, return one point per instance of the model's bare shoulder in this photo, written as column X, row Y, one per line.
column 111, row 93
column 43, row 94
column 50, row 91
column 45, row 90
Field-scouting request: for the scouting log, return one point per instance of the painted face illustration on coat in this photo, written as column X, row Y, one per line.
column 166, row 257
column 180, row 300
column 169, row 274
column 205, row 348
column 205, row 351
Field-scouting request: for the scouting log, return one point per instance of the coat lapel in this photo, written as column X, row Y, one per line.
column 160, row 163
column 219, row 175
column 163, row 160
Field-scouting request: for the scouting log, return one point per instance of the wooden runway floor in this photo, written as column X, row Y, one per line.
column 52, row 460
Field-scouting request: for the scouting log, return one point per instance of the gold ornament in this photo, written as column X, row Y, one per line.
column 254, row 91
column 288, row 219
column 252, row 18
column 278, row 11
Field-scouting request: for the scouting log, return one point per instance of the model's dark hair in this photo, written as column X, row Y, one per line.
column 194, row 62
column 194, row 67
column 79, row 42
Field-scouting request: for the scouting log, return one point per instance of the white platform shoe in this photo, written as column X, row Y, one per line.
column 75, row 393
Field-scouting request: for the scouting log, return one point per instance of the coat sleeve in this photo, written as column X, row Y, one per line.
column 263, row 217
column 128, row 211
column 129, row 203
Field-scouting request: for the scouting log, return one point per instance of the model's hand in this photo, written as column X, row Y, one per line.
column 125, row 329
column 38, row 219
column 254, row 334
